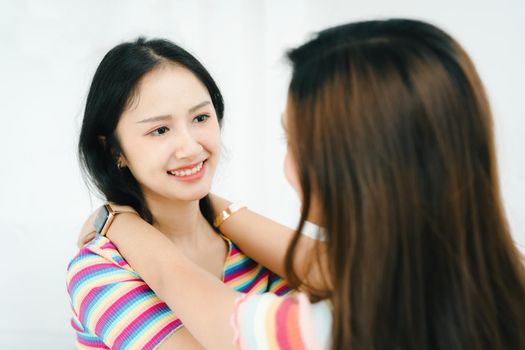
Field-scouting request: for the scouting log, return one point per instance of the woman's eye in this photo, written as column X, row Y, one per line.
column 160, row 131
column 200, row 118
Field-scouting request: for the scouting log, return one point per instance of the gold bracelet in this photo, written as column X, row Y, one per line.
column 226, row 213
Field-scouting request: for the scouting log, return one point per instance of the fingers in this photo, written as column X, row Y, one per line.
column 84, row 239
column 87, row 233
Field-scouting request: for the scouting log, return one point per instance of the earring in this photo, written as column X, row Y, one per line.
column 120, row 166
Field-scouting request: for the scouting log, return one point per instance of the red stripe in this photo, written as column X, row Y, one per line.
column 261, row 277
column 282, row 290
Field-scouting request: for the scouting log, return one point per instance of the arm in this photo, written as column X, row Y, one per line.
column 184, row 286
column 267, row 241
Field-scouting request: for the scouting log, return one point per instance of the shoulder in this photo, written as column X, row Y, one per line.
column 99, row 250
column 97, row 274
column 97, row 262
column 112, row 303
column 287, row 322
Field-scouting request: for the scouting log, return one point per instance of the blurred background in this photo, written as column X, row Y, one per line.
column 49, row 53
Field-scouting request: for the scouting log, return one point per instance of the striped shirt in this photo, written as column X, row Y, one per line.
column 270, row 322
column 114, row 308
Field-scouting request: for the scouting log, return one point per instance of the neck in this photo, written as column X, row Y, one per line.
column 180, row 221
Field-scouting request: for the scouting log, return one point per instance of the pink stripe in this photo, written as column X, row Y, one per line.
column 262, row 276
column 281, row 319
column 234, row 250
column 75, row 326
column 86, row 302
column 137, row 322
column 108, row 245
column 252, row 282
column 91, row 343
column 173, row 325
column 246, row 268
column 113, row 310
column 91, row 269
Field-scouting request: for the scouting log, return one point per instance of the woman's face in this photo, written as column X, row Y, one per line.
column 170, row 135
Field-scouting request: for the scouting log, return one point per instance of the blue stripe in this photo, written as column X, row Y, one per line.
column 104, row 291
column 247, row 264
column 148, row 322
column 87, row 278
column 246, row 286
column 124, row 310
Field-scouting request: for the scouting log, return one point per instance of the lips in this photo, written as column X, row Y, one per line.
column 187, row 170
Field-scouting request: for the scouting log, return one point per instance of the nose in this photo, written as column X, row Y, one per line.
column 186, row 146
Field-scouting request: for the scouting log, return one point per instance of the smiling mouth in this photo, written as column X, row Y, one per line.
column 187, row 172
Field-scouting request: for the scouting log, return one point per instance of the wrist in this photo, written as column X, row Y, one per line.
column 218, row 204
column 107, row 214
column 122, row 223
column 123, row 208
column 225, row 214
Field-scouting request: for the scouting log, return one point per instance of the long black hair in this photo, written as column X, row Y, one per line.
column 112, row 89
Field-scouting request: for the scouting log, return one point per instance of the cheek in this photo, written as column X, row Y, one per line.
column 211, row 139
column 290, row 171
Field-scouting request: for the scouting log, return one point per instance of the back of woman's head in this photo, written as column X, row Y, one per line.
column 113, row 89
column 392, row 133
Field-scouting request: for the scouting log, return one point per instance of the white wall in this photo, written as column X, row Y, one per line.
column 49, row 52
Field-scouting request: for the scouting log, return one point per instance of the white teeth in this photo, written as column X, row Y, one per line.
column 187, row 172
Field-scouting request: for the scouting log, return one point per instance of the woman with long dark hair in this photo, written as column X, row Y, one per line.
column 391, row 150
column 150, row 139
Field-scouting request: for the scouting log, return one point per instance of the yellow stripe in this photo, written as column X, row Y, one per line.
column 271, row 329
column 111, row 298
column 99, row 281
column 249, row 276
column 236, row 259
column 159, row 324
column 129, row 316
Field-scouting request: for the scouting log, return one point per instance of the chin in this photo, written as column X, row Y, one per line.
column 193, row 196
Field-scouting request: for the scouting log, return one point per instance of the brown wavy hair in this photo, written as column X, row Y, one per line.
column 392, row 134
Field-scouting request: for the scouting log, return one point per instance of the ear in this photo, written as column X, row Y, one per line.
column 122, row 162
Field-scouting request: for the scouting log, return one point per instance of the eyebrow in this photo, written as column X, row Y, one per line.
column 155, row 119
column 200, row 105
column 167, row 116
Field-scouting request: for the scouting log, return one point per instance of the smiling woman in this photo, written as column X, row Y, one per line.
column 150, row 139
column 170, row 137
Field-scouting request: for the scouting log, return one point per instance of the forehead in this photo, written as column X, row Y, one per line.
column 167, row 89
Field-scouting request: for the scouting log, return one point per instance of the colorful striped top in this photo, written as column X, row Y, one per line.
column 289, row 322
column 113, row 308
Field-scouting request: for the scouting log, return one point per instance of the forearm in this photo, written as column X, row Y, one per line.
column 179, row 282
